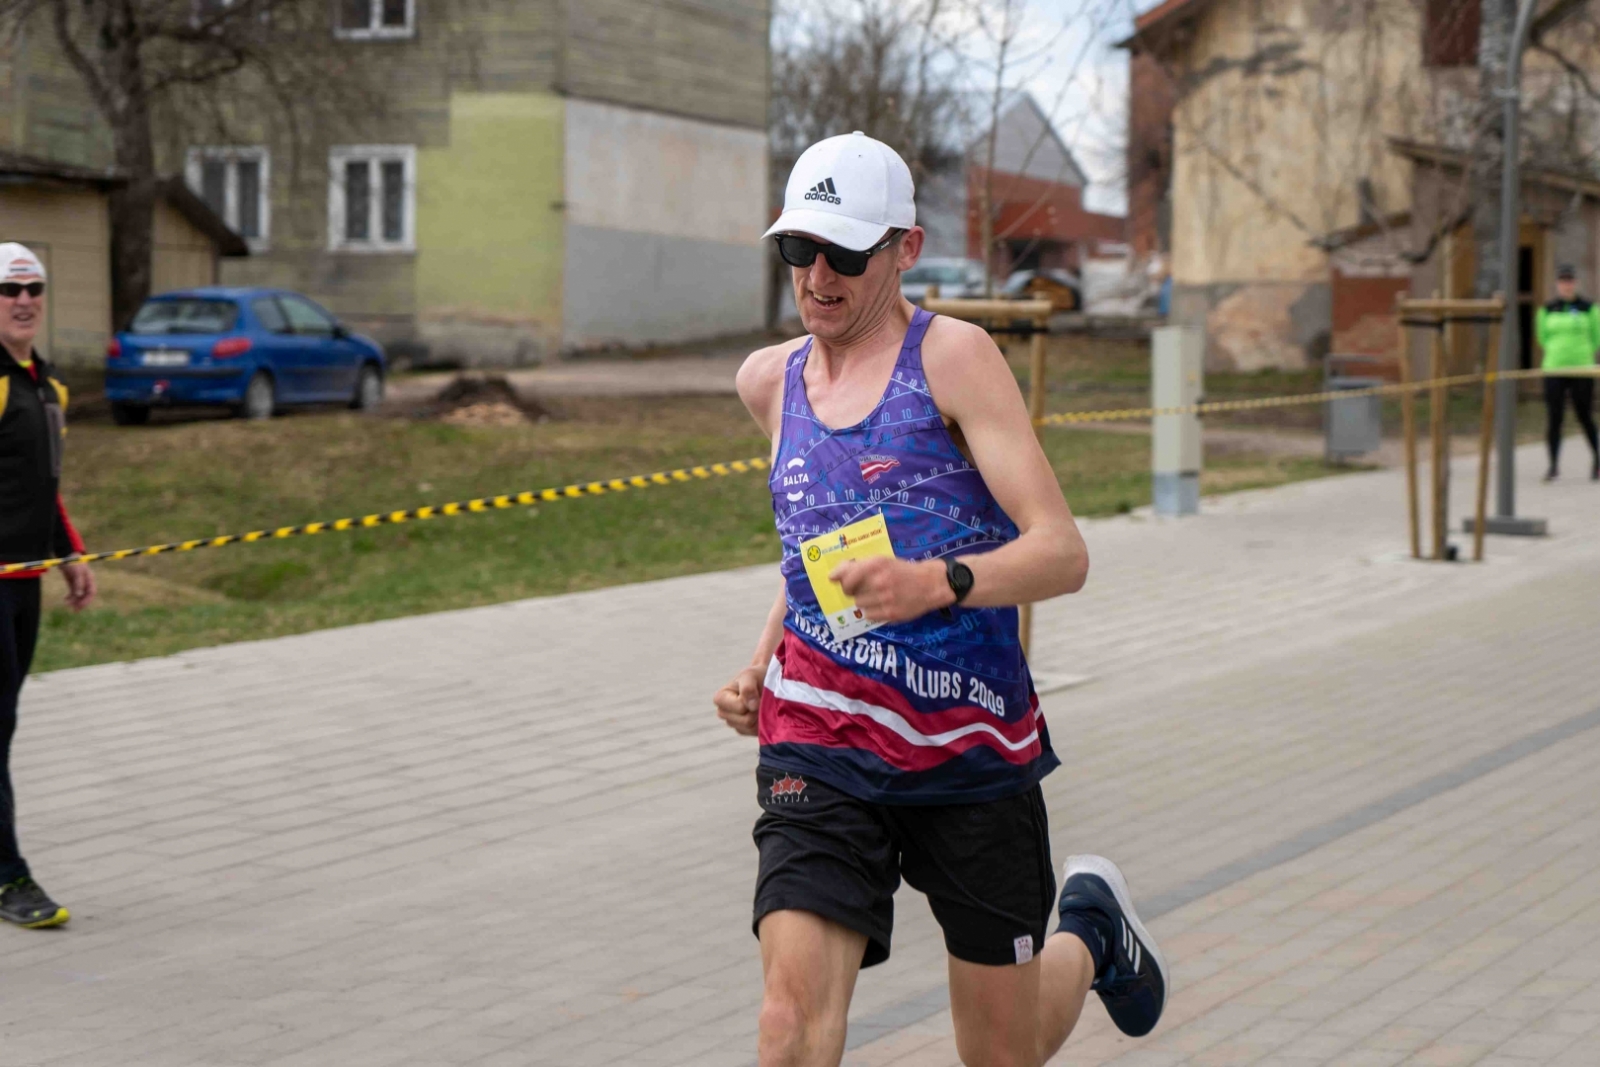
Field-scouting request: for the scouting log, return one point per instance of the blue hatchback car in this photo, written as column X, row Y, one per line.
column 254, row 350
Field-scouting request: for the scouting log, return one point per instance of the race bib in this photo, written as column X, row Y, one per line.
column 859, row 540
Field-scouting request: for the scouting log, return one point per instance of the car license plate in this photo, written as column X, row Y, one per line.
column 166, row 357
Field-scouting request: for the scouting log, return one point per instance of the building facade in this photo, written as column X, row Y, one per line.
column 1303, row 164
column 539, row 177
column 1034, row 195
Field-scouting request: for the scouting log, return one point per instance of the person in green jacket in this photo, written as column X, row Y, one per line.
column 1569, row 332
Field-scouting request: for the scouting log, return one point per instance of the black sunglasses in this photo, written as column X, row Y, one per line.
column 12, row 290
column 802, row 252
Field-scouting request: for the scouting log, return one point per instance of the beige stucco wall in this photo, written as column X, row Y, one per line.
column 1269, row 152
column 1285, row 113
column 70, row 230
column 184, row 257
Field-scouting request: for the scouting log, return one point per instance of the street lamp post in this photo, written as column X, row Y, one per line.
column 1505, row 520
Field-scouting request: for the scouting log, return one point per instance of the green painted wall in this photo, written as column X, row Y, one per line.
column 489, row 218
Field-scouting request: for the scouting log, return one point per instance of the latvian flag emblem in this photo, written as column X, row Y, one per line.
column 875, row 467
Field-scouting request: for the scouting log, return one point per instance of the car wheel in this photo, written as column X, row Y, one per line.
column 130, row 414
column 260, row 397
column 369, row 390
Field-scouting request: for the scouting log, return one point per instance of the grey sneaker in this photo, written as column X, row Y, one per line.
column 25, row 903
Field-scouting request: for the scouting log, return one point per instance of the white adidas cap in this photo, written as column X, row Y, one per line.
column 848, row 190
column 16, row 261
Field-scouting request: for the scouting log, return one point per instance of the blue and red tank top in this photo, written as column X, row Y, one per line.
column 937, row 710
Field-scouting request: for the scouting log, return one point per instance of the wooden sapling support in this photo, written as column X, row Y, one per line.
column 1442, row 316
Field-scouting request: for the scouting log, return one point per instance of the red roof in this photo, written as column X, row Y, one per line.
column 1160, row 17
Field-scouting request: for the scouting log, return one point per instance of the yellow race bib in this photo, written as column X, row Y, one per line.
column 860, row 540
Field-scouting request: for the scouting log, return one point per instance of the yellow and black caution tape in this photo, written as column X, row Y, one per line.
column 1068, row 418
column 738, row 466
column 433, row 511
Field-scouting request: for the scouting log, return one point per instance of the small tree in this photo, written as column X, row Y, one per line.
column 183, row 66
column 878, row 66
column 1009, row 50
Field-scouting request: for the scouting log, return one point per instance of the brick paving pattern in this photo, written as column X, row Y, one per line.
column 1359, row 791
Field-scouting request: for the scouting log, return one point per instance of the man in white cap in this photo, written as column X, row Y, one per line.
column 33, row 525
column 900, row 733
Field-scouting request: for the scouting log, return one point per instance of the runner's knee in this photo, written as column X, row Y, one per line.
column 796, row 1022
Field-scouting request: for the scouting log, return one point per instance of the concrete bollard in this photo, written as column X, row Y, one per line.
column 1177, row 356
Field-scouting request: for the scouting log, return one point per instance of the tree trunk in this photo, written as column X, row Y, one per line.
column 1494, row 44
column 132, row 248
column 132, row 206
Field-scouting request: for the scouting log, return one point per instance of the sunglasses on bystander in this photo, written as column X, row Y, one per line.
column 12, row 290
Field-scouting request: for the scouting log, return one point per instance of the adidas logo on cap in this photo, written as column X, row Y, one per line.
column 824, row 191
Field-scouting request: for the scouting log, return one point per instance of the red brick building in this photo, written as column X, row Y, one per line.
column 1034, row 196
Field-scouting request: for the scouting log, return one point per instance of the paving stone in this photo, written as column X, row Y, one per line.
column 517, row 834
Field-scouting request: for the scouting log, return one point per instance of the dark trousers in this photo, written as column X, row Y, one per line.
column 1556, row 391
column 19, row 632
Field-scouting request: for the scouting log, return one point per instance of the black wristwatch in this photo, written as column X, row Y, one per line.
column 959, row 575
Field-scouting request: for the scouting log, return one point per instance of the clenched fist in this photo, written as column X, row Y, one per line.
column 739, row 702
column 894, row 590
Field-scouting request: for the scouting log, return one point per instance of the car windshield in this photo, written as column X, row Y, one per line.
column 925, row 274
column 185, row 316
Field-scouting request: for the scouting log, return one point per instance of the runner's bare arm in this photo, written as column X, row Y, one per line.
column 974, row 388
column 760, row 384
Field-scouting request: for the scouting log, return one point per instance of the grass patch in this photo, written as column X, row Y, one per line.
column 185, row 479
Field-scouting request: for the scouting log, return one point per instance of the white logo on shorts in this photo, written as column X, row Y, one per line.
column 1024, row 947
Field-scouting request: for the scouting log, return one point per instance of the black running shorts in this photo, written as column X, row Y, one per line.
column 985, row 868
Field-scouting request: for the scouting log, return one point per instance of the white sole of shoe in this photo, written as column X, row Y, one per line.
column 1111, row 874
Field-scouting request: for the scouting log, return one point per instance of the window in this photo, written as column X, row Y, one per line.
column 305, row 317
column 1450, row 34
column 372, row 201
column 185, row 316
column 270, row 314
column 370, row 20
column 235, row 182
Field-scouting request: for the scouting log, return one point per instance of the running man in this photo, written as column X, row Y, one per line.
column 901, row 736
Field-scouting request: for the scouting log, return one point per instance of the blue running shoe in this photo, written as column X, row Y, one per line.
column 1132, row 983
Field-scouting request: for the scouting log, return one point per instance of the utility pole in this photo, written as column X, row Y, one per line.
column 1505, row 520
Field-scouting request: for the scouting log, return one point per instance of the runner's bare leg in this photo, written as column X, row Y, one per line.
column 810, row 966
column 1019, row 1016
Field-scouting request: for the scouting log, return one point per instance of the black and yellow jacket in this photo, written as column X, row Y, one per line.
column 33, row 524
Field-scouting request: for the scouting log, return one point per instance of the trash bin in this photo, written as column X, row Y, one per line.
column 1353, row 426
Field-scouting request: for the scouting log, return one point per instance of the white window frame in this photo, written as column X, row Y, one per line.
column 194, row 161
column 375, row 30
column 373, row 155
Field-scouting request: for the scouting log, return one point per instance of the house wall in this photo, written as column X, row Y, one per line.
column 1152, row 95
column 184, row 257
column 1282, row 117
column 489, row 282
column 664, row 217
column 70, row 231
column 44, row 108
column 705, row 59
column 1027, row 208
column 483, row 101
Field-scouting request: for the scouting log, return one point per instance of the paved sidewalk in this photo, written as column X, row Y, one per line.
column 1358, row 791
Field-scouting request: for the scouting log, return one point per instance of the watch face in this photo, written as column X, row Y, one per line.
column 960, row 578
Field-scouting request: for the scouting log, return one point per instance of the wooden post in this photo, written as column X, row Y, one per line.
column 1408, row 417
column 1439, row 429
column 1485, row 442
